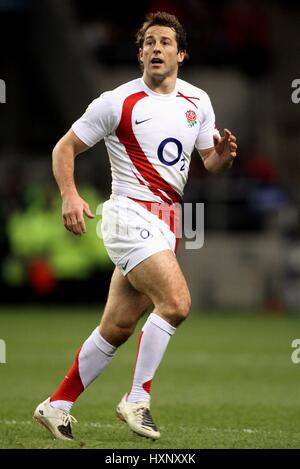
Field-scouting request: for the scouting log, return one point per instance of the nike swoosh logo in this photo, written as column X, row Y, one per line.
column 124, row 265
column 140, row 122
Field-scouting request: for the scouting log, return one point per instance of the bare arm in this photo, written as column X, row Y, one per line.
column 73, row 206
column 220, row 157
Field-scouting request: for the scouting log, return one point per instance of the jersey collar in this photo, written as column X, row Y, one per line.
column 158, row 95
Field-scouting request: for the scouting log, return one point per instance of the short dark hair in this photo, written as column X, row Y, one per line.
column 161, row 18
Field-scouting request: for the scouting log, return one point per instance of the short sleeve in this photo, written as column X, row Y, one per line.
column 97, row 122
column 207, row 128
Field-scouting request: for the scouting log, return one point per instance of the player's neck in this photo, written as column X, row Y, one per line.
column 164, row 86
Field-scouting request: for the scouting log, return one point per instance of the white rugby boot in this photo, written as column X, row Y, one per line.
column 137, row 416
column 57, row 421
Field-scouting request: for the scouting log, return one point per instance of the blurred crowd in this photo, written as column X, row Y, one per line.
column 234, row 33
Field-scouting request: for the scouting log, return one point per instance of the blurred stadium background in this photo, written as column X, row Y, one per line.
column 58, row 55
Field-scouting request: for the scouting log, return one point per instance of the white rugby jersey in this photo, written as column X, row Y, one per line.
column 149, row 136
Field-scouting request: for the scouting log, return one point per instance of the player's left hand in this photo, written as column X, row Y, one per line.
column 226, row 146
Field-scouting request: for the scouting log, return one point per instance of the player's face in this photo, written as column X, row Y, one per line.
column 160, row 54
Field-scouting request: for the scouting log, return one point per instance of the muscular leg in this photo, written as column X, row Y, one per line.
column 125, row 305
column 160, row 278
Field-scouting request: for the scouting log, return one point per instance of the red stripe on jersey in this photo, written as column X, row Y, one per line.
column 188, row 98
column 126, row 136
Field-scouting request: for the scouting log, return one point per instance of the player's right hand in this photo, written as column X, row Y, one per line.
column 73, row 208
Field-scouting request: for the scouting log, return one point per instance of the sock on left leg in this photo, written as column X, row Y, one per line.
column 91, row 360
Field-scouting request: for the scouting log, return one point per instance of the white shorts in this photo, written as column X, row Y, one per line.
column 131, row 233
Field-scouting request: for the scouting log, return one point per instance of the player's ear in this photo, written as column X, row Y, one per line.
column 141, row 55
column 181, row 56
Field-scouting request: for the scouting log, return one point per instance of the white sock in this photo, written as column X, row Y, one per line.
column 95, row 354
column 93, row 357
column 62, row 405
column 153, row 342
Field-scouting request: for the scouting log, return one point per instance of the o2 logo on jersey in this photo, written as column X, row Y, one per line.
column 160, row 153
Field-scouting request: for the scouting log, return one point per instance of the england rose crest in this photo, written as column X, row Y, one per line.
column 191, row 118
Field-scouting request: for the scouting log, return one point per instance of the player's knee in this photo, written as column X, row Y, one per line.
column 176, row 308
column 184, row 306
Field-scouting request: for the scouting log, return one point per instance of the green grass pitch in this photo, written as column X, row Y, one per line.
column 227, row 381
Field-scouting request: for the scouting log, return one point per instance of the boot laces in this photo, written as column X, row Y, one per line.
column 144, row 417
column 68, row 419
